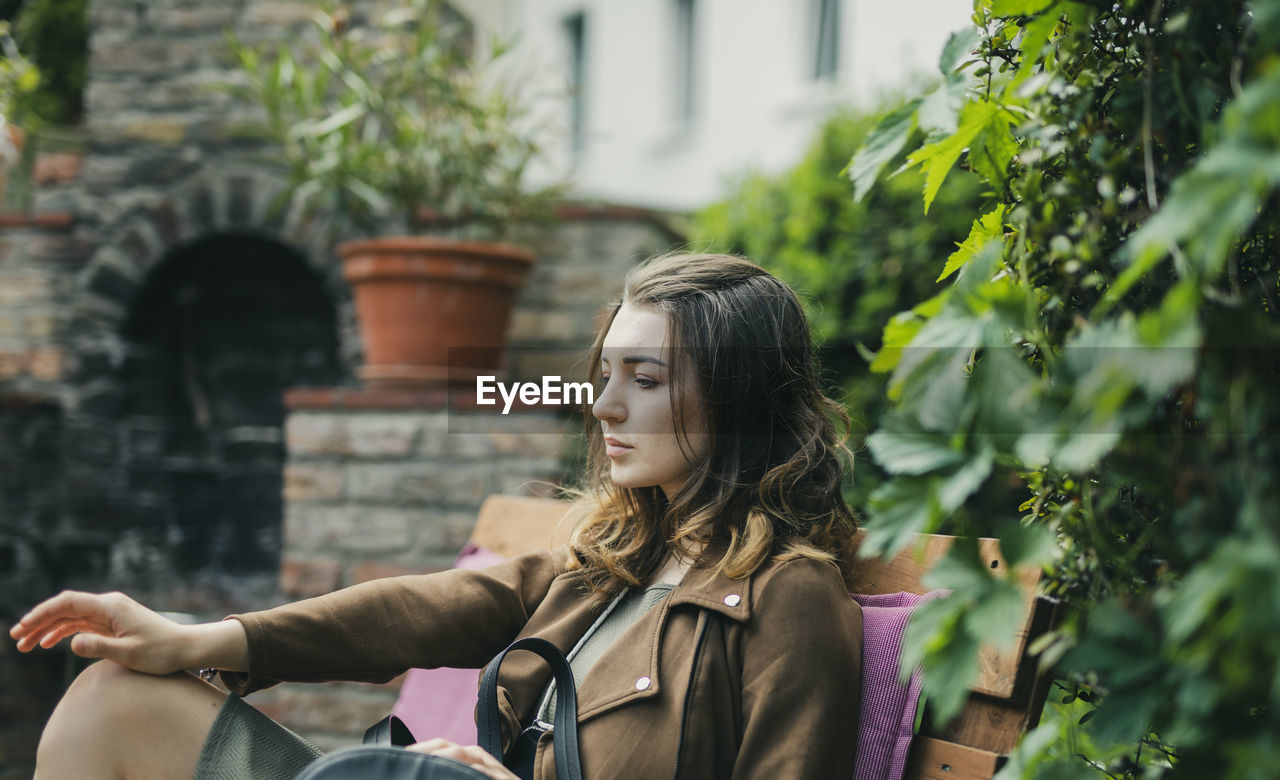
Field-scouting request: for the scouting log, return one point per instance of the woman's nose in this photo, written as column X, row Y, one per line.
column 608, row 404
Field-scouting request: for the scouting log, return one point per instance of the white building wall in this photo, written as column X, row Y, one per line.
column 757, row 106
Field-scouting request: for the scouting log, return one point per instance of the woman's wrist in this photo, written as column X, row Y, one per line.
column 222, row 645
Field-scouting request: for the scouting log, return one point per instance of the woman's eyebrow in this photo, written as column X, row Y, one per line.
column 628, row 360
column 631, row 359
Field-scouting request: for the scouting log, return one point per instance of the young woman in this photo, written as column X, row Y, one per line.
column 700, row 599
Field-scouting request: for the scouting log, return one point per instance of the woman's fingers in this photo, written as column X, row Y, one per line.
column 109, row 625
column 430, row 746
column 69, row 604
column 473, row 755
column 62, row 630
column 48, row 623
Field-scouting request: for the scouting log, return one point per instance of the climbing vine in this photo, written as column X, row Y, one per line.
column 1109, row 329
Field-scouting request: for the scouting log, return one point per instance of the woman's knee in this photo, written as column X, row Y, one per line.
column 104, row 691
column 105, row 695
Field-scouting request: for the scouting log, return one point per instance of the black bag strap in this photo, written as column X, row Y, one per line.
column 389, row 732
column 565, row 735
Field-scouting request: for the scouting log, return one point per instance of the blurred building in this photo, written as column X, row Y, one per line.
column 656, row 102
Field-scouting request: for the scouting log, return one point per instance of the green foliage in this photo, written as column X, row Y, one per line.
column 377, row 122
column 1112, row 332
column 854, row 263
column 55, row 34
column 18, row 79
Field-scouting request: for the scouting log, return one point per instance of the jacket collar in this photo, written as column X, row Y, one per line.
column 703, row 586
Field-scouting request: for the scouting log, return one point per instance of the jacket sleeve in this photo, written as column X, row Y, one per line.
column 801, row 676
column 373, row 631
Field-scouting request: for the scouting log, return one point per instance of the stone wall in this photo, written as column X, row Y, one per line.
column 102, row 485
column 376, row 485
column 371, row 486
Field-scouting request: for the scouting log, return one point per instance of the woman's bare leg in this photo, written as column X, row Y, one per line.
column 116, row 723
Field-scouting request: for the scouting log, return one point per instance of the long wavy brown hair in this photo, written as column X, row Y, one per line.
column 769, row 485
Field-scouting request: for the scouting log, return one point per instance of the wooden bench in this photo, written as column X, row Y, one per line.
column 1004, row 703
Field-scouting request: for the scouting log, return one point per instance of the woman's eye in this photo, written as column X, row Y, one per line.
column 646, row 382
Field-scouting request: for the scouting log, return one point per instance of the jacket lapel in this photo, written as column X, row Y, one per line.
column 632, row 671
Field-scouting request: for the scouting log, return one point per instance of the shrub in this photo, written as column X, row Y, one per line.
column 854, row 264
column 1112, row 330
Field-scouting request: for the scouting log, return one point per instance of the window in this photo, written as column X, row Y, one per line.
column 575, row 28
column 685, row 61
column 824, row 39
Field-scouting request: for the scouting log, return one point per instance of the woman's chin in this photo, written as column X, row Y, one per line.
column 623, row 479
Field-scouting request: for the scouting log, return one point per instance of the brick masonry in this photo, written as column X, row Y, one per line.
column 376, row 491
column 104, row 489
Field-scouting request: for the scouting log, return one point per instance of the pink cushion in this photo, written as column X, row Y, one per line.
column 442, row 702
column 888, row 707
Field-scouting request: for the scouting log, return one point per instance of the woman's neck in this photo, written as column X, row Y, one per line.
column 674, row 567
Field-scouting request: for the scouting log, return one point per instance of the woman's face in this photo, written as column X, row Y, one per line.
column 635, row 406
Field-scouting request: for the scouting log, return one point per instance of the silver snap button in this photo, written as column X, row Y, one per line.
column 643, row 683
column 732, row 600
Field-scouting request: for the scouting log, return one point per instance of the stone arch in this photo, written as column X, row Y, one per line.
column 155, row 485
column 241, row 202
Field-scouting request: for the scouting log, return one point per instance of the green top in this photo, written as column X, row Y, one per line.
column 625, row 610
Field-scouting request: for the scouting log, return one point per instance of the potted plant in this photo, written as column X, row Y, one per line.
column 380, row 121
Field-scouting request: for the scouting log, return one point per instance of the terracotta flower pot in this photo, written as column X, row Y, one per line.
column 419, row 297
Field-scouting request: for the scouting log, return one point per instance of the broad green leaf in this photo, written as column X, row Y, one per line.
column 941, row 397
column 962, row 571
column 334, row 122
column 945, row 332
column 938, row 158
column 992, row 150
column 898, row 333
column 931, row 307
column 1026, row 545
column 1125, row 716
column 985, row 229
column 899, row 509
column 1030, row 752
column 1082, row 450
column 1008, row 395
column 935, row 637
column 958, row 50
column 1019, row 7
column 883, row 143
column 965, row 479
column 912, row 453
column 375, row 200
column 901, row 330
column 1035, row 36
column 994, row 617
column 939, row 112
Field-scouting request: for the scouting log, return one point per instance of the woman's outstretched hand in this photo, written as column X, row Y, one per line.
column 115, row 627
column 474, row 755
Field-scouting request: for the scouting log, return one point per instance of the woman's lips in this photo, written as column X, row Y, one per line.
column 613, row 448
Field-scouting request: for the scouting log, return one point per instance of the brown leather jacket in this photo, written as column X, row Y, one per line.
column 723, row 679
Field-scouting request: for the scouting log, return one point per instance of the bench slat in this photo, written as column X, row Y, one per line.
column 934, row 759
column 516, row 525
